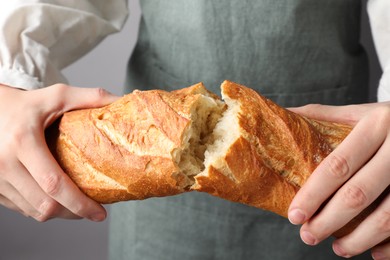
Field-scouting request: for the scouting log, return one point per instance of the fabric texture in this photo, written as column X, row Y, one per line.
column 40, row 38
column 295, row 52
column 378, row 11
column 198, row 226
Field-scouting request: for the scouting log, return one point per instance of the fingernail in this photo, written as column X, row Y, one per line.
column 308, row 238
column 108, row 96
column 339, row 250
column 113, row 98
column 296, row 216
column 376, row 255
column 97, row 217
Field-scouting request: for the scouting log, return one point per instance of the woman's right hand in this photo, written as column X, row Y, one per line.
column 31, row 181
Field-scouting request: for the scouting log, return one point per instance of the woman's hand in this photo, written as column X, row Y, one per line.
column 31, row 181
column 347, row 181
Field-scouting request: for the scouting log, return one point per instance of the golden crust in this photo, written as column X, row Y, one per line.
column 274, row 156
column 125, row 150
column 252, row 184
column 290, row 144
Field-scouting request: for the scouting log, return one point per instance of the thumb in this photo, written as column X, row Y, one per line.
column 349, row 114
column 80, row 98
column 60, row 98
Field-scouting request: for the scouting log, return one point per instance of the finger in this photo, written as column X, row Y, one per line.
column 351, row 199
column 371, row 232
column 381, row 252
column 11, row 205
column 337, row 168
column 54, row 182
column 18, row 186
column 339, row 114
column 9, row 193
column 77, row 98
column 66, row 98
column 70, row 98
column 44, row 206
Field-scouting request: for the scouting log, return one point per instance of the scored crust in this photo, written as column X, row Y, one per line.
column 157, row 143
column 135, row 147
column 270, row 152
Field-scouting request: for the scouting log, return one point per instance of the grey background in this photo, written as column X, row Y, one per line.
column 23, row 238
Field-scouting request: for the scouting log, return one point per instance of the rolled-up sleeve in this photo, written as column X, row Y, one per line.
column 39, row 38
column 379, row 15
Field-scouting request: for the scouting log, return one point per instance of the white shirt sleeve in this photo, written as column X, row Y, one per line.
column 39, row 38
column 379, row 14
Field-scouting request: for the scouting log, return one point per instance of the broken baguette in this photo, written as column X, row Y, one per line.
column 147, row 144
column 155, row 143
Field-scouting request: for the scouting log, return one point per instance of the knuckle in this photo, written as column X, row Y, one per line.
column 58, row 94
column 354, row 197
column 51, row 184
column 338, row 166
column 383, row 222
column 352, row 251
column 60, row 87
column 99, row 93
column 46, row 210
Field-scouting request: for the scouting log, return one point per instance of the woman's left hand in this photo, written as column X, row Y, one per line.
column 355, row 174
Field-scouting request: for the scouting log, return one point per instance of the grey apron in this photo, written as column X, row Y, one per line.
column 293, row 51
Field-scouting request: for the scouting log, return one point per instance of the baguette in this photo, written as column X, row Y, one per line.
column 263, row 153
column 155, row 143
column 144, row 145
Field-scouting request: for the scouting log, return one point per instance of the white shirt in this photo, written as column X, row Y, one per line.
column 379, row 14
column 39, row 38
